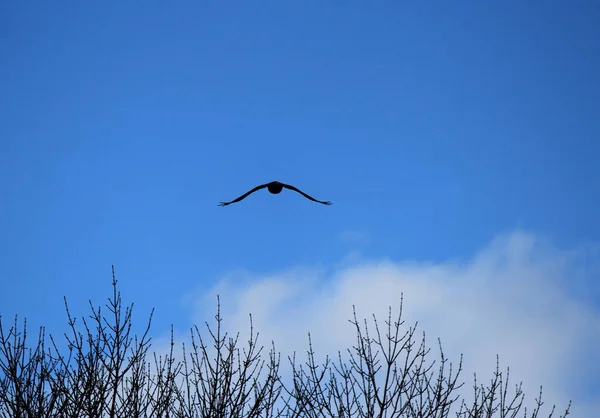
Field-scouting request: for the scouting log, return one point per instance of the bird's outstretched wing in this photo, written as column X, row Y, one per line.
column 262, row 186
column 287, row 186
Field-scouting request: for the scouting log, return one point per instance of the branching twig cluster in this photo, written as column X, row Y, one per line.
column 108, row 372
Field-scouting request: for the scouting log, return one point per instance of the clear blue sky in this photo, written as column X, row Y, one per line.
column 432, row 127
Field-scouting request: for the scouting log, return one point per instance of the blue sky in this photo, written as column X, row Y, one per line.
column 433, row 128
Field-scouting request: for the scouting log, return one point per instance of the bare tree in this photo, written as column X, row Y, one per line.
column 384, row 376
column 390, row 375
column 228, row 383
column 108, row 371
column 26, row 374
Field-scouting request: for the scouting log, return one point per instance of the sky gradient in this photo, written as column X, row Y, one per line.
column 459, row 143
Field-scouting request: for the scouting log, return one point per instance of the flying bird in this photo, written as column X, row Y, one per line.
column 274, row 187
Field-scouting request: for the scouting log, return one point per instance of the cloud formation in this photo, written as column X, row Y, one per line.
column 519, row 297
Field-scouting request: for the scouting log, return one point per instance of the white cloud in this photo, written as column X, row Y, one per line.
column 513, row 298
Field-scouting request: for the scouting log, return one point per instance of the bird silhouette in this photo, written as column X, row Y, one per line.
column 274, row 187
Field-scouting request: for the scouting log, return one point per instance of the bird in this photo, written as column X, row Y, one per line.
column 274, row 187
